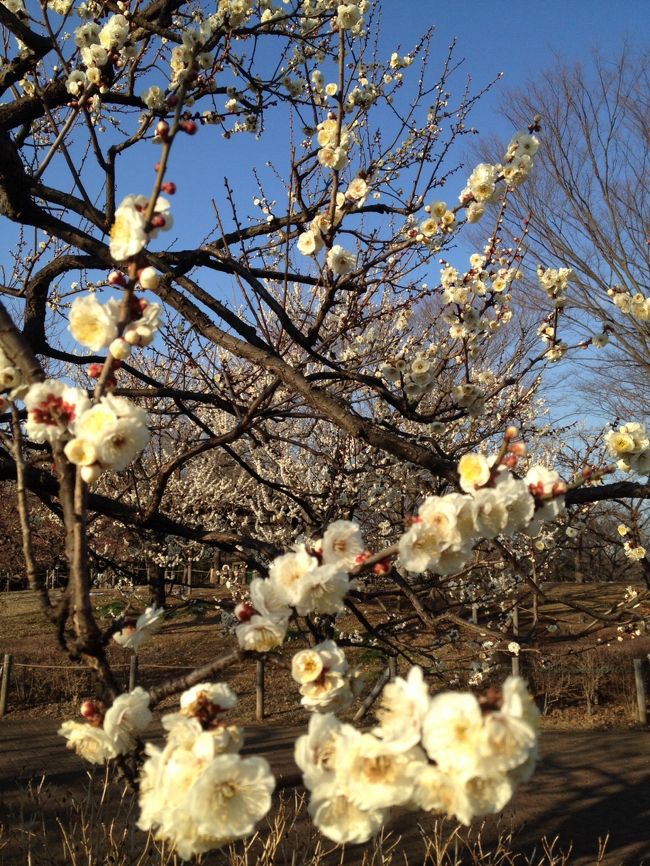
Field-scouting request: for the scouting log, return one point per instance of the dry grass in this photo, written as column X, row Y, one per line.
column 98, row 829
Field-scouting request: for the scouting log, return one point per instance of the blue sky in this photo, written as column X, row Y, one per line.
column 516, row 39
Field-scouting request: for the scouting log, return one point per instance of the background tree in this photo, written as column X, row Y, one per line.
column 588, row 208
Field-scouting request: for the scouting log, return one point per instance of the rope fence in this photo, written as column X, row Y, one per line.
column 639, row 665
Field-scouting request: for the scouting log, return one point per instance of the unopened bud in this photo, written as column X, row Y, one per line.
column 120, row 349
column 149, row 278
column 93, row 712
column 188, row 126
column 559, row 488
column 382, row 567
column 94, row 370
column 509, row 460
column 518, row 449
column 512, row 432
column 157, row 221
column 90, row 474
column 162, row 129
column 116, row 278
column 169, row 187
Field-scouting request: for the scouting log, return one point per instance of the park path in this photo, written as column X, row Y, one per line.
column 588, row 784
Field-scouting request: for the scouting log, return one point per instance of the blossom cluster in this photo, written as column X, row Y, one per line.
column 313, row 580
column 106, row 435
column 310, row 242
column 100, row 47
column 447, row 753
column 637, row 305
column 326, row 681
column 95, row 325
column 630, row 445
column 634, row 552
column 555, row 282
column 440, row 220
column 442, row 535
column 197, row 792
column 109, row 733
column 482, row 187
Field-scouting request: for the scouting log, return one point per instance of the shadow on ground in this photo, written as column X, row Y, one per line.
column 589, row 785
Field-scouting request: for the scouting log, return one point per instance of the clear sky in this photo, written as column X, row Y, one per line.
column 518, row 39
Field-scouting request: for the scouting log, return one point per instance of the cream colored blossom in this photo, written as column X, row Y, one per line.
column 261, row 634
column 474, row 472
column 310, row 243
column 128, row 235
column 93, row 744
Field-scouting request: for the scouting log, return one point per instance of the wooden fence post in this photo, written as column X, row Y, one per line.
column 133, row 672
column 384, row 677
column 640, row 691
column 515, row 632
column 4, row 686
column 259, row 690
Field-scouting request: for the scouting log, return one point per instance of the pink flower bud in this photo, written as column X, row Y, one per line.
column 244, row 611
column 169, row 187
column 94, row 370
column 116, row 278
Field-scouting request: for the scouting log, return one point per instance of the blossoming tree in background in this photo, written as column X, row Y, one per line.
column 267, row 384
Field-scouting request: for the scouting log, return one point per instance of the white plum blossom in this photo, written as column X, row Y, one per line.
column 630, row 445
column 474, row 471
column 261, row 634
column 128, row 235
column 134, row 634
column 115, row 428
column 342, row 543
column 403, row 706
column 92, row 324
column 53, row 409
column 324, row 677
column 310, row 243
column 341, row 261
column 126, row 718
column 91, row 743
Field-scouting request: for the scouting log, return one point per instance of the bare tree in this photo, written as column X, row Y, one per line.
column 588, row 208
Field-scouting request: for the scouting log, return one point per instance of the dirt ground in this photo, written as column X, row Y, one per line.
column 588, row 785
